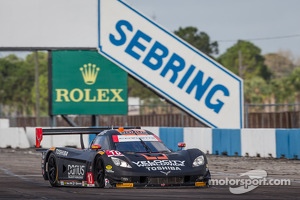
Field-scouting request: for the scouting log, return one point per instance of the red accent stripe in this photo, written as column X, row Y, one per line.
column 115, row 138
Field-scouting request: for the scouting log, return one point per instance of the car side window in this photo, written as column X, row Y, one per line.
column 103, row 141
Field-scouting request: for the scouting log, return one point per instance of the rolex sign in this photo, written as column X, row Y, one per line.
column 84, row 82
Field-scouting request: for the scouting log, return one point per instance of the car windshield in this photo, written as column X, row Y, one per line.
column 142, row 146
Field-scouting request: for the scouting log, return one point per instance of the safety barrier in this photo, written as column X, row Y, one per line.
column 4, row 123
column 13, row 138
column 276, row 143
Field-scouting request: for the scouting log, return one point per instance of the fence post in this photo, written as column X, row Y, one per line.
column 246, row 115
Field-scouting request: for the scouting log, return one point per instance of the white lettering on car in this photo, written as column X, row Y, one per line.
column 76, row 171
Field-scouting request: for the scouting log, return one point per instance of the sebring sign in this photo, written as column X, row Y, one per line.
column 156, row 57
column 168, row 65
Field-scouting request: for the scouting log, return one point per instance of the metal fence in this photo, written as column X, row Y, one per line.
column 255, row 116
column 272, row 116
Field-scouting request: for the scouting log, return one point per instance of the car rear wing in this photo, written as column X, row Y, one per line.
column 40, row 132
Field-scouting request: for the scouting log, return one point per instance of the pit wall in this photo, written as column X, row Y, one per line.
column 276, row 143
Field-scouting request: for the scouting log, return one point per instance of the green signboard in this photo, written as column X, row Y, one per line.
column 84, row 82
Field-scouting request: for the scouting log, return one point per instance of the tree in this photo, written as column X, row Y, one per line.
column 200, row 40
column 17, row 83
column 43, row 81
column 294, row 81
column 137, row 89
column 279, row 65
column 8, row 65
column 256, row 90
column 282, row 90
column 245, row 59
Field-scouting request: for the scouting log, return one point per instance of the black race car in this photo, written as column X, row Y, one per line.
column 121, row 157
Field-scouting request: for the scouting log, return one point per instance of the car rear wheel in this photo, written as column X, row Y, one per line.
column 99, row 172
column 52, row 170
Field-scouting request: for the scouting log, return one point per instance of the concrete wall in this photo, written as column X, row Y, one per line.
column 275, row 143
column 4, row 123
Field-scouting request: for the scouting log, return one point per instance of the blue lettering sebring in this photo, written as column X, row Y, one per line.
column 156, row 59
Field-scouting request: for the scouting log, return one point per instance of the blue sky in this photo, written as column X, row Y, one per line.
column 272, row 25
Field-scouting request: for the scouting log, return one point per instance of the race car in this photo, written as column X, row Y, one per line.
column 121, row 157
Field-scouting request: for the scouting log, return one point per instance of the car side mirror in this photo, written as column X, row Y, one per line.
column 96, row 146
column 181, row 145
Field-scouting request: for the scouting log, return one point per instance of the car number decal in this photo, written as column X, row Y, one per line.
column 110, row 153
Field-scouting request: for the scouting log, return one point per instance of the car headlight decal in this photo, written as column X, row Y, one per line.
column 120, row 163
column 199, row 161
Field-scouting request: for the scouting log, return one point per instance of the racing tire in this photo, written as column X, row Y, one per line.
column 52, row 171
column 99, row 172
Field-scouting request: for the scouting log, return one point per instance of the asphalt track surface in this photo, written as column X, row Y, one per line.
column 20, row 178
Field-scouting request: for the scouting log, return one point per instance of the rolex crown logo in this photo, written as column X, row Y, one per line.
column 89, row 73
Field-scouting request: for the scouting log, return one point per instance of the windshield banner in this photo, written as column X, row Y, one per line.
column 133, row 138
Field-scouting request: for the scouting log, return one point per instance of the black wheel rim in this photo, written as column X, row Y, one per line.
column 99, row 173
column 52, row 170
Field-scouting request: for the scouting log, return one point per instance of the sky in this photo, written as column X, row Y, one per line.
column 271, row 25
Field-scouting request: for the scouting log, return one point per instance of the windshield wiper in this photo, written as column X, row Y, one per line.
column 146, row 146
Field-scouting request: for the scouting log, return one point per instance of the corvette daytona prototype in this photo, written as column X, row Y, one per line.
column 121, row 157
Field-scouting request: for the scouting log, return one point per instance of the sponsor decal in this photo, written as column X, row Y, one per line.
column 148, row 163
column 61, row 152
column 166, row 173
column 90, row 179
column 111, row 153
column 109, row 167
column 163, row 168
column 107, row 183
column 76, row 171
column 134, row 132
column 133, row 138
column 159, row 165
column 70, row 183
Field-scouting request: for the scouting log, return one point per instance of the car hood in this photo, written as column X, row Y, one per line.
column 160, row 161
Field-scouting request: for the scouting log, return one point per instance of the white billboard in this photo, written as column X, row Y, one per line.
column 155, row 56
column 47, row 24
column 170, row 66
